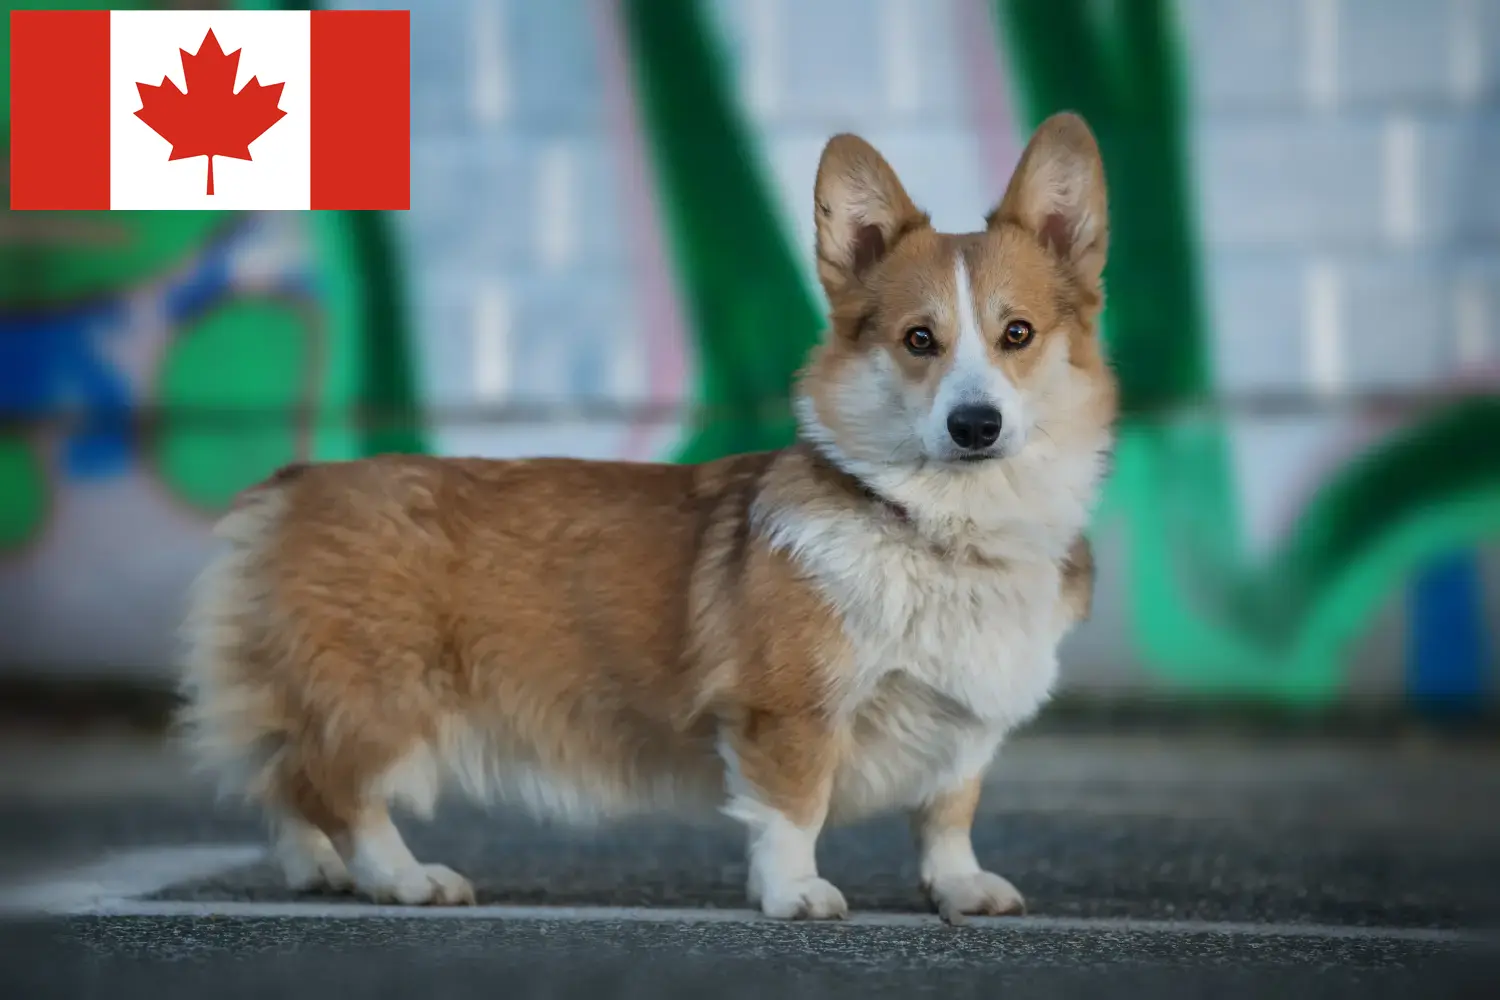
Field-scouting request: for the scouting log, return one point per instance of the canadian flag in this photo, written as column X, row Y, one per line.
column 210, row 109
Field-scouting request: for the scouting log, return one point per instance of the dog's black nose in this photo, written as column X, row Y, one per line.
column 974, row 427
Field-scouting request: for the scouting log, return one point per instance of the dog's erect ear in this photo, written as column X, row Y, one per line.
column 860, row 209
column 1057, row 194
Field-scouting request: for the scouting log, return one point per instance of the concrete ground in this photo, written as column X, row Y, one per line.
column 1192, row 865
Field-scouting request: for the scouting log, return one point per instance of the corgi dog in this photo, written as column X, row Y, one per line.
column 795, row 638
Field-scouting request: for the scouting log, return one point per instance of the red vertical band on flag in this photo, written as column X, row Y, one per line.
column 361, row 109
column 59, row 109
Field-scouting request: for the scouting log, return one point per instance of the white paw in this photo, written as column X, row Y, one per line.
column 974, row 892
column 309, row 862
column 423, row 885
column 804, row 899
column 322, row 872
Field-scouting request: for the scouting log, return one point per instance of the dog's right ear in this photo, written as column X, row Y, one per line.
column 860, row 209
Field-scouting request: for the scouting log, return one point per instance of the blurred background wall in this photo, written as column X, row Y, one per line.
column 608, row 255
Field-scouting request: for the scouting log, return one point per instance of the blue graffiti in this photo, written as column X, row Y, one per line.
column 1448, row 641
column 56, row 363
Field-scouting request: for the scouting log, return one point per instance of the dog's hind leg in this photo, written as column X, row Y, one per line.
column 343, row 792
column 383, row 867
column 307, row 858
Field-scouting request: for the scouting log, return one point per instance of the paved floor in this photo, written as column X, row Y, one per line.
column 1187, row 866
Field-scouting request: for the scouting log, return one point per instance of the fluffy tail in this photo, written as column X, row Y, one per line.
column 231, row 722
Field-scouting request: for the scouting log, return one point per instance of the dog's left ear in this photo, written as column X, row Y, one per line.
column 1057, row 194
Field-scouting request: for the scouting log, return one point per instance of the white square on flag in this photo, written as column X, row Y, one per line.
column 210, row 109
column 272, row 47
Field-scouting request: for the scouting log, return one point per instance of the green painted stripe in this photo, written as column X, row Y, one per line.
column 750, row 312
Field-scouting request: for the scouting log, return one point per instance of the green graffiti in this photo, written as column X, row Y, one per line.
column 1204, row 614
column 23, row 493
column 364, row 290
column 1123, row 77
column 750, row 310
column 65, row 257
column 246, row 360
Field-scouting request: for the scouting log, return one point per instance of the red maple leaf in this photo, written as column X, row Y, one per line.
column 210, row 119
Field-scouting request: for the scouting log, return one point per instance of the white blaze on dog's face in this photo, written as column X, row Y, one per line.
column 960, row 351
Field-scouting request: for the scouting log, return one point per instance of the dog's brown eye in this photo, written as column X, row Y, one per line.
column 919, row 340
column 1018, row 333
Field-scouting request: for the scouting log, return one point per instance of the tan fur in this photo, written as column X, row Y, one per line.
column 597, row 638
column 1078, row 580
column 374, row 597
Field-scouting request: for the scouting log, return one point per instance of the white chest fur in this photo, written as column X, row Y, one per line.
column 950, row 652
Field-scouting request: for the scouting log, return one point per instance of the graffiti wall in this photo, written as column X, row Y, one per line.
column 152, row 364
column 608, row 255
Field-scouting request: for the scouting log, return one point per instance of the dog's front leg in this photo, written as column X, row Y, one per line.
column 780, row 774
column 951, row 876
